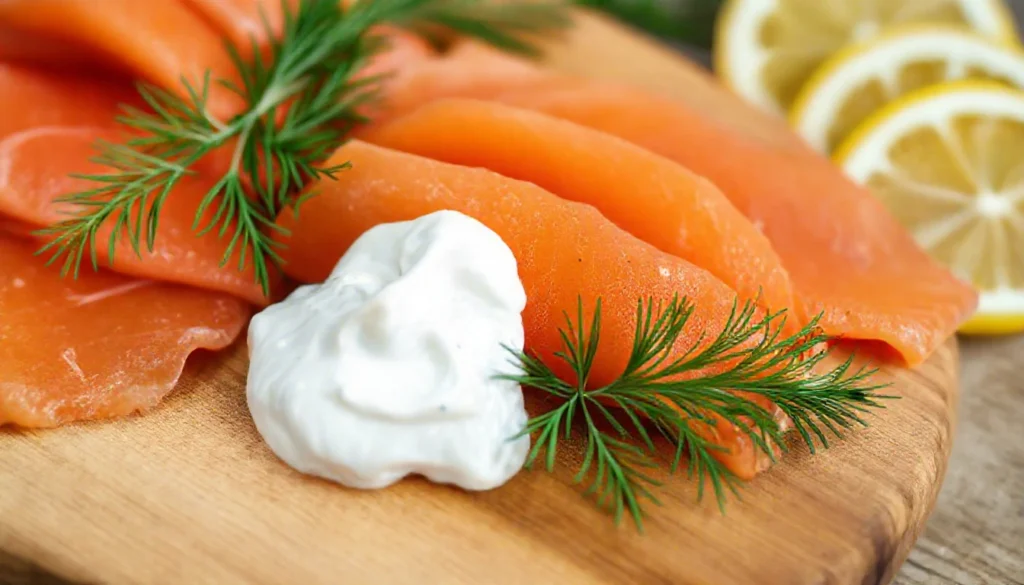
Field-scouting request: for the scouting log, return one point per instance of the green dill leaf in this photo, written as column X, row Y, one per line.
column 678, row 391
column 302, row 100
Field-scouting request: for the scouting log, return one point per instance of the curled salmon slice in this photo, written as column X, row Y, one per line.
column 161, row 41
column 566, row 252
column 33, row 97
column 652, row 197
column 847, row 258
column 469, row 70
column 35, row 169
column 16, row 228
column 99, row 346
column 243, row 21
column 247, row 22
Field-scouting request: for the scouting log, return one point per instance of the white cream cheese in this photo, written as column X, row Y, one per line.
column 388, row 368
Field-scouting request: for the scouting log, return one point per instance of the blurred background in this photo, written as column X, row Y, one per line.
column 688, row 24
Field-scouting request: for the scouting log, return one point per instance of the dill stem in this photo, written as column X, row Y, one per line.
column 243, row 136
column 215, row 122
column 275, row 96
column 271, row 98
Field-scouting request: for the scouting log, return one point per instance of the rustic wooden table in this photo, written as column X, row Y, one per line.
column 976, row 533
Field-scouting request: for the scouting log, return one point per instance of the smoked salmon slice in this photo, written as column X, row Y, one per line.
column 160, row 41
column 163, row 41
column 401, row 49
column 650, row 196
column 35, row 165
column 100, row 346
column 37, row 97
column 469, row 70
column 565, row 251
column 244, row 21
column 15, row 227
column 848, row 258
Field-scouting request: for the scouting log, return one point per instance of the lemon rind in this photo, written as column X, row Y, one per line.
column 931, row 106
column 817, row 101
column 907, row 111
column 994, row 324
column 735, row 42
column 747, row 16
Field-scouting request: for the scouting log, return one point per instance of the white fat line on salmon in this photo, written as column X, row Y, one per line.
column 12, row 142
column 71, row 358
column 82, row 300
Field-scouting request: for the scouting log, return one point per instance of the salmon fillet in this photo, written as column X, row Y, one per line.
column 163, row 41
column 35, row 166
column 848, row 259
column 38, row 97
column 160, row 41
column 650, row 196
column 565, row 251
column 469, row 70
column 61, row 118
column 16, row 228
column 243, row 21
column 100, row 346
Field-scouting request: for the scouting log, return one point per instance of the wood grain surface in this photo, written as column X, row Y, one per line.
column 976, row 534
column 190, row 494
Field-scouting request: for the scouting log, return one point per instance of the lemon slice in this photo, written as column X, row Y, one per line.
column 765, row 49
column 947, row 162
column 863, row 77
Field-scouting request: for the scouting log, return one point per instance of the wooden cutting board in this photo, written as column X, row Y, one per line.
column 190, row 494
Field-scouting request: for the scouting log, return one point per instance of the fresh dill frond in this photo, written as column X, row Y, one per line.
column 676, row 392
column 302, row 101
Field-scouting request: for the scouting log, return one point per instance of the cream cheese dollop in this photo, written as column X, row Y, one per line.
column 389, row 367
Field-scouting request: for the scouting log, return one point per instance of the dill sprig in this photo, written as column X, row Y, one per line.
column 672, row 394
column 302, row 101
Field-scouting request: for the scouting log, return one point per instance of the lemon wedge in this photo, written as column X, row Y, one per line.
column 766, row 49
column 863, row 77
column 947, row 162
